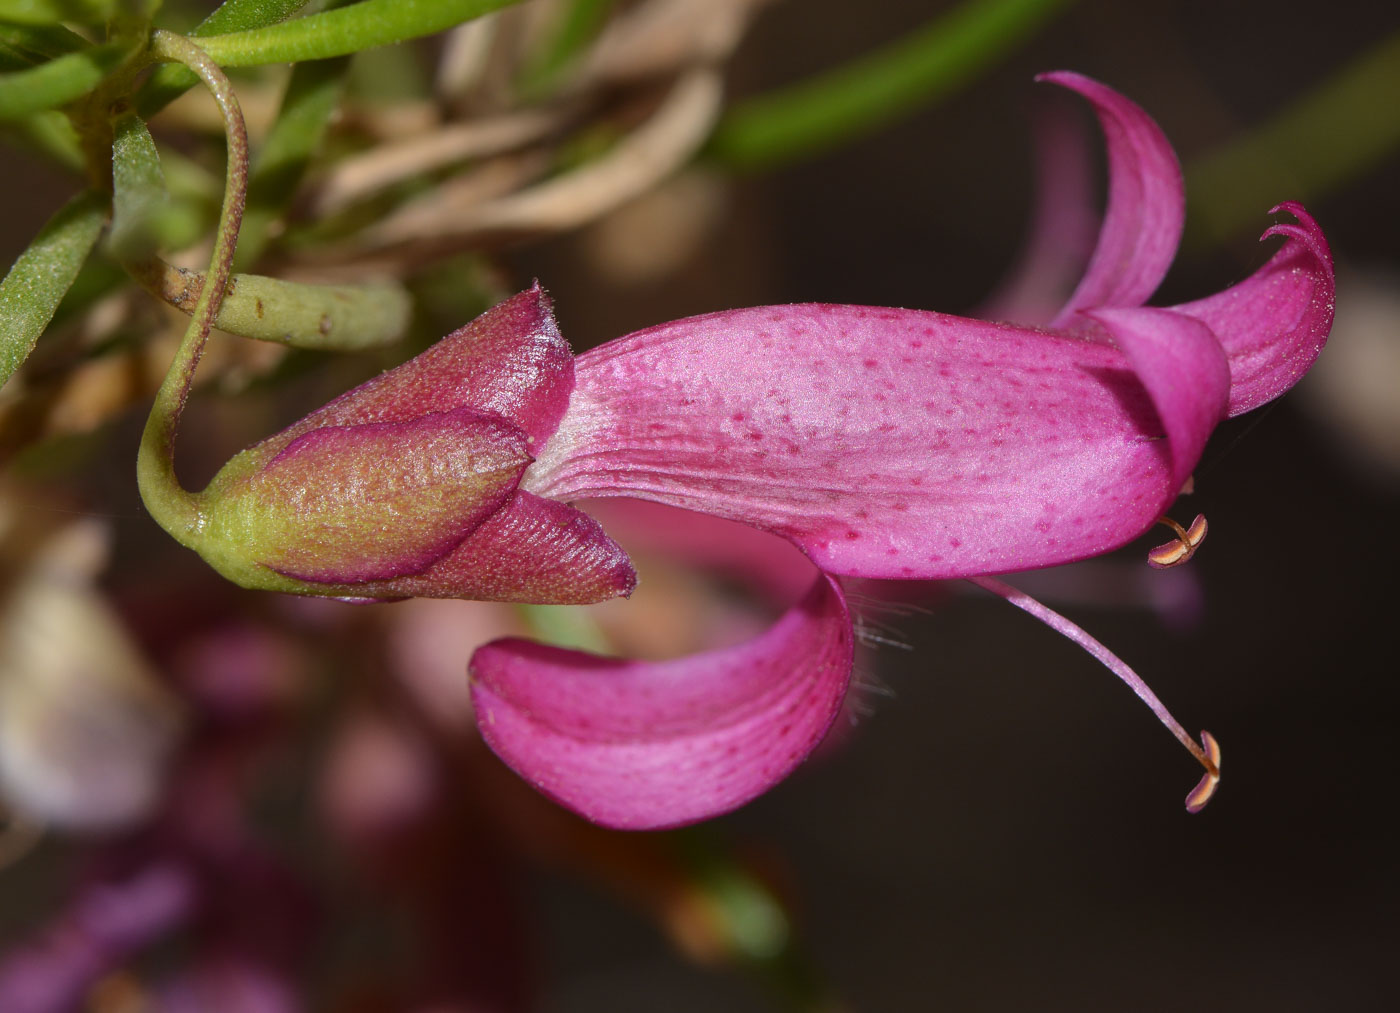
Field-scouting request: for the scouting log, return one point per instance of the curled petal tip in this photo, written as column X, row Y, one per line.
column 1305, row 230
column 1182, row 547
column 1293, row 207
column 1205, row 788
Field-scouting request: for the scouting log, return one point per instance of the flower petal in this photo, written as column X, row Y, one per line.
column 643, row 745
column 530, row 550
column 884, row 442
column 1064, row 221
column 1146, row 204
column 110, row 921
column 1274, row 323
column 1185, row 371
column 344, row 504
column 510, row 361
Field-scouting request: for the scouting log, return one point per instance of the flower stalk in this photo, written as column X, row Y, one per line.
column 172, row 506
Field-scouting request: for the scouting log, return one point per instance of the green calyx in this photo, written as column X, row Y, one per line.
column 315, row 509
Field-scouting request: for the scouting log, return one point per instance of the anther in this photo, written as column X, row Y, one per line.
column 1182, row 547
column 1205, row 788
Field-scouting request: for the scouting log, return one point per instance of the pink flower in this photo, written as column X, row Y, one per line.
column 889, row 443
column 882, row 442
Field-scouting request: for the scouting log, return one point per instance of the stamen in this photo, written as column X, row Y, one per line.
column 1207, row 753
column 1182, row 547
column 1205, row 788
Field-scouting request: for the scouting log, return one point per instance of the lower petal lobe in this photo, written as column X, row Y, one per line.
column 644, row 745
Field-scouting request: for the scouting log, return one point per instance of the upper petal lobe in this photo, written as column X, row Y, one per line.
column 1146, row 204
column 1274, row 323
column 885, row 443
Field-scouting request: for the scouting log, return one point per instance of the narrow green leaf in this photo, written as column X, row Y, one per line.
column 576, row 25
column 873, row 90
column 311, row 98
column 28, row 45
column 240, row 15
column 324, row 317
column 1345, row 126
column 48, row 12
column 342, row 318
column 173, row 80
column 51, row 134
column 31, row 291
column 57, row 82
column 138, row 190
column 346, row 30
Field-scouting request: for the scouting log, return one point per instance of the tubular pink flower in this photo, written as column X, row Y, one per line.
column 890, row 443
column 883, row 443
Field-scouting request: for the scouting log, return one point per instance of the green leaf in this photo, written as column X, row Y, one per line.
column 138, row 190
column 49, row 12
column 311, row 98
column 346, row 30
column 342, row 318
column 1347, row 125
column 51, row 134
column 873, row 90
column 339, row 318
column 31, row 291
column 57, row 82
column 576, row 25
column 27, row 45
column 239, row 15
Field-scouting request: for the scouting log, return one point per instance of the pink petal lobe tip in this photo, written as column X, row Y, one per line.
column 1182, row 547
column 1205, row 788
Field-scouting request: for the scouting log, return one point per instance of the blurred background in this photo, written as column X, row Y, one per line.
column 997, row 824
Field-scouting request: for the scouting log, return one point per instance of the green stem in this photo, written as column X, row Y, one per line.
column 871, row 91
column 170, row 82
column 170, row 504
column 345, row 30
